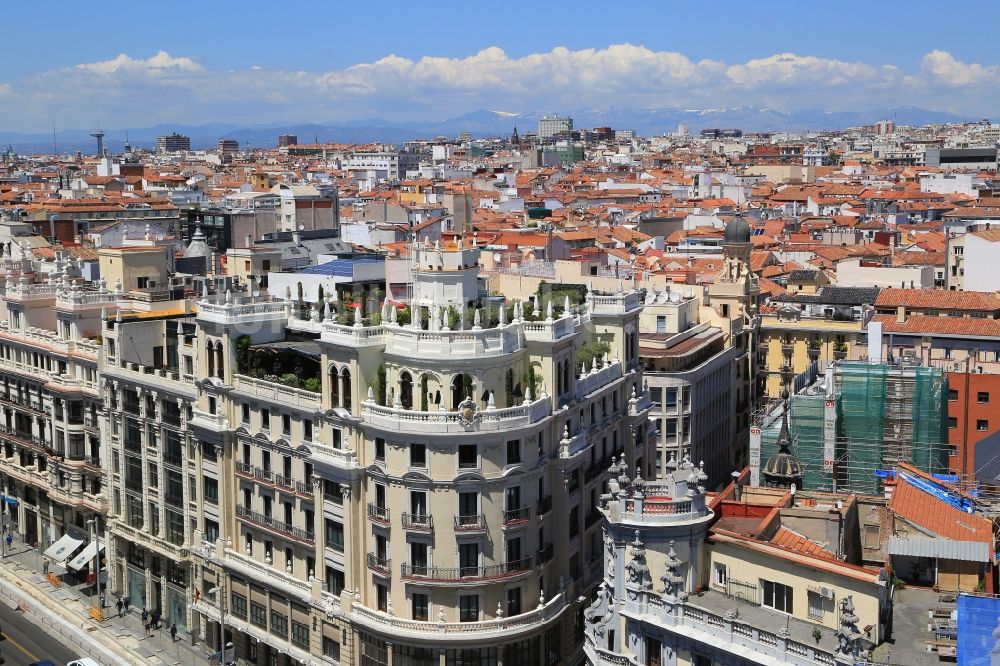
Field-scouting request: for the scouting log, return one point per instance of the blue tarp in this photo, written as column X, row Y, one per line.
column 978, row 618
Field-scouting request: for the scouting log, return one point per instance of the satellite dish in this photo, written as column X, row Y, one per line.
column 497, row 256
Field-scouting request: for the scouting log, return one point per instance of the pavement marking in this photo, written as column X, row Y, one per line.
column 21, row 648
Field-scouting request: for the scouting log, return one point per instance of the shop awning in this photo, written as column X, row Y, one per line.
column 85, row 557
column 63, row 548
column 942, row 549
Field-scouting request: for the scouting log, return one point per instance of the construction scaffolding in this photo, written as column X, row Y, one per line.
column 859, row 419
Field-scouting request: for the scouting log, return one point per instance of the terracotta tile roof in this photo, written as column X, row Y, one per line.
column 791, row 540
column 938, row 299
column 924, row 325
column 935, row 515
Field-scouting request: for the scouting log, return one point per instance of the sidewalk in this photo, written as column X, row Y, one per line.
column 124, row 637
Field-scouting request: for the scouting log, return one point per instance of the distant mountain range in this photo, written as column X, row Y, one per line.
column 480, row 123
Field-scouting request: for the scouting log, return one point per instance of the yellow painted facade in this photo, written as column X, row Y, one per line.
column 753, row 567
column 797, row 343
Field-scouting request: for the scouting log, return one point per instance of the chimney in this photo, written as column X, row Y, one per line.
column 900, row 314
column 737, row 489
column 297, row 237
column 249, row 240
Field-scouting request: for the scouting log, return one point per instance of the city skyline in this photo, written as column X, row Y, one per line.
column 145, row 74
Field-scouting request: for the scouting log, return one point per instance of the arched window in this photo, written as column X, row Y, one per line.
column 345, row 389
column 457, row 391
column 406, row 390
column 334, row 387
column 220, row 362
column 211, row 359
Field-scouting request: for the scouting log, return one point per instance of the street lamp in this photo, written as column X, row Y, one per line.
column 97, row 566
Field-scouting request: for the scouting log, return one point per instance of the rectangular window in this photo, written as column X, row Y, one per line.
column 514, row 452
column 307, row 429
column 335, row 535
column 513, row 601
column 719, row 577
column 468, row 608
column 265, row 419
column 279, row 624
column 258, row 614
column 211, row 493
column 331, row 648
column 982, row 425
column 300, row 634
column 379, row 449
column 815, row 605
column 418, row 455
column 574, row 521
column 245, row 412
column 239, row 606
column 983, row 397
column 952, row 421
column 419, row 606
column 776, row 596
column 334, row 580
column 467, row 456
column 286, row 424
column 952, row 395
column 381, row 597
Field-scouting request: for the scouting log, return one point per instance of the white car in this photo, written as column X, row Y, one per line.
column 83, row 661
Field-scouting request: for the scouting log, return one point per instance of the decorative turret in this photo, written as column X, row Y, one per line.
column 783, row 469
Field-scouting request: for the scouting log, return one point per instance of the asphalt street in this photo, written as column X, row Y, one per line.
column 24, row 643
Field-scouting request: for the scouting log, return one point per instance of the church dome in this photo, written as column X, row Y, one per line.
column 198, row 247
column 737, row 231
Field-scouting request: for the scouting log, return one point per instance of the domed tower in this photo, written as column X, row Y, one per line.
column 783, row 469
column 736, row 239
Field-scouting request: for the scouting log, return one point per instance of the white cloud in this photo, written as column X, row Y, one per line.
column 165, row 87
column 789, row 69
column 942, row 67
column 162, row 61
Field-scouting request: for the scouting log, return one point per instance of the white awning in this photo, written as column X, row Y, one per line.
column 63, row 548
column 85, row 557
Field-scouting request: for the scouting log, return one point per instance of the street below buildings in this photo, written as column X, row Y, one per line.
column 24, row 642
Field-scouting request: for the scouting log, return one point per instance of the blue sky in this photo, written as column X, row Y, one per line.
column 134, row 64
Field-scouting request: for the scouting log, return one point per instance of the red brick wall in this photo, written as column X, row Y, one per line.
column 967, row 414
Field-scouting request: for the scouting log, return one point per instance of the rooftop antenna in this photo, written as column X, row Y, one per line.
column 55, row 151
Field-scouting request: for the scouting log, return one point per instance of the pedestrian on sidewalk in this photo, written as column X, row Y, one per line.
column 102, row 599
column 45, row 567
column 145, row 616
column 145, row 625
column 119, row 606
column 127, row 603
column 173, row 632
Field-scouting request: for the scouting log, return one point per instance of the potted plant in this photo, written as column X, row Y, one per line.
column 840, row 350
column 817, row 635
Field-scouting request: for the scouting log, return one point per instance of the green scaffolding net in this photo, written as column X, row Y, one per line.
column 882, row 414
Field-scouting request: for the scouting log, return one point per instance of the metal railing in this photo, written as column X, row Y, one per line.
column 378, row 514
column 516, row 516
column 450, row 574
column 418, row 521
column 271, row 523
column 471, row 523
column 379, row 564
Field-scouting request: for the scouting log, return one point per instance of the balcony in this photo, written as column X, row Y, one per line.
column 471, row 523
column 380, row 565
column 787, row 348
column 466, row 574
column 378, row 514
column 516, row 516
column 544, row 505
column 441, row 422
column 418, row 522
column 277, row 392
column 486, row 632
column 273, row 525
